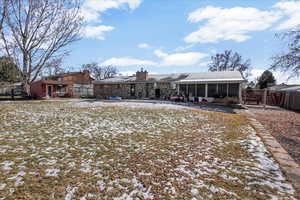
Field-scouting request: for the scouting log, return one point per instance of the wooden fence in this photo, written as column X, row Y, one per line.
column 292, row 100
column 289, row 100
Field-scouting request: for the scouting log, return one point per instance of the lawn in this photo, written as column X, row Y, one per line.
column 82, row 150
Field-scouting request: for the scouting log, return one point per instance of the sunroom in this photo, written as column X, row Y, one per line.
column 210, row 86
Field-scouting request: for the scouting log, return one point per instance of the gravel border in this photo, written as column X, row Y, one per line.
column 286, row 162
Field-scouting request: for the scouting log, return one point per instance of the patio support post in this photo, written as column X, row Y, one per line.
column 217, row 88
column 196, row 90
column 178, row 91
column 206, row 90
column 240, row 92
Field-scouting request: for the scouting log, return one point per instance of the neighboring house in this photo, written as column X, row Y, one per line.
column 208, row 85
column 72, row 84
column 291, row 89
column 281, row 87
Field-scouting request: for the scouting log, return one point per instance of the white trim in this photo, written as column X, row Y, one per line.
column 211, row 80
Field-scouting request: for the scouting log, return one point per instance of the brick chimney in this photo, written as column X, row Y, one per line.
column 141, row 75
column 86, row 72
column 86, row 77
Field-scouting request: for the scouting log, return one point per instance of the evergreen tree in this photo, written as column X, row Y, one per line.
column 266, row 79
column 9, row 72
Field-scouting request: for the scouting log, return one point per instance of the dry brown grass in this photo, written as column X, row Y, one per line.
column 109, row 152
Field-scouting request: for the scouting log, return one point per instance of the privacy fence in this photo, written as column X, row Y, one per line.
column 286, row 99
column 6, row 89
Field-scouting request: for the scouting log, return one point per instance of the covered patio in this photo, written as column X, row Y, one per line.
column 203, row 86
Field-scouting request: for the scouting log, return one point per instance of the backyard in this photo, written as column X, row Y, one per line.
column 129, row 150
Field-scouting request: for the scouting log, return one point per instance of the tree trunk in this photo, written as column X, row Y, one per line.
column 26, row 89
column 26, row 78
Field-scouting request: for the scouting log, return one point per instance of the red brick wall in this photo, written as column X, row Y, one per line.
column 38, row 90
column 79, row 78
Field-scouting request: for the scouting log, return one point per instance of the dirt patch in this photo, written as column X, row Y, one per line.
column 284, row 126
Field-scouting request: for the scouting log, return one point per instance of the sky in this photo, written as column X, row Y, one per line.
column 174, row 36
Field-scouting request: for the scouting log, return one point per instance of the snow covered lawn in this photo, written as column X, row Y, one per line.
column 127, row 150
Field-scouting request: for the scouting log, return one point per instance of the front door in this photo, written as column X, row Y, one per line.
column 157, row 93
column 49, row 91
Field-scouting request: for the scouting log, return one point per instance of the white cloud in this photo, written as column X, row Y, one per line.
column 144, row 46
column 171, row 60
column 96, row 32
column 183, row 48
column 204, row 64
column 291, row 9
column 229, row 23
column 180, row 59
column 127, row 61
column 279, row 76
column 92, row 9
column 159, row 53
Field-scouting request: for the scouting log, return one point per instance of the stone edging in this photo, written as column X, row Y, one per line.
column 290, row 168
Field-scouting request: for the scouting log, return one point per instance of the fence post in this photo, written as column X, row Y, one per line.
column 265, row 98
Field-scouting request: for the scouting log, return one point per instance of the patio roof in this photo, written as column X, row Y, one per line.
column 223, row 76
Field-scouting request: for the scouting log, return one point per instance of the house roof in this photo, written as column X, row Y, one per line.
column 51, row 82
column 224, row 76
column 283, row 87
column 67, row 74
column 293, row 88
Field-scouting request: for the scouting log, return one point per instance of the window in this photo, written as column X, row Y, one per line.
column 147, row 89
column 201, row 90
column 192, row 90
column 132, row 90
column 222, row 90
column 233, row 90
column 212, row 90
column 60, row 89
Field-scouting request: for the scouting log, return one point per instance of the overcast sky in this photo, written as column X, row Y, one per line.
column 170, row 36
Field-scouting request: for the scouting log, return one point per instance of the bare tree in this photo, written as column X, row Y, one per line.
column 95, row 69
column 289, row 59
column 100, row 72
column 3, row 4
column 229, row 61
column 37, row 32
column 110, row 72
column 54, row 67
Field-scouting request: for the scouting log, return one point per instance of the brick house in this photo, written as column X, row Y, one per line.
column 72, row 84
column 207, row 85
